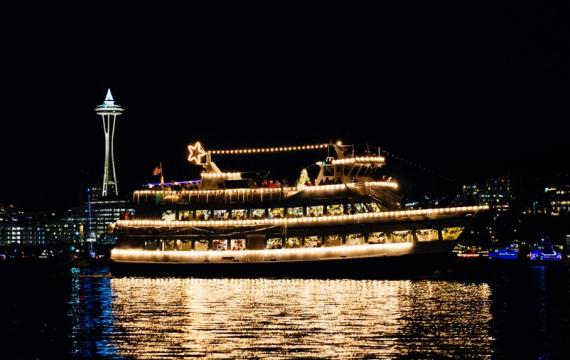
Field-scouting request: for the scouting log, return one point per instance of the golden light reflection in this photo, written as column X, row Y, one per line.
column 276, row 318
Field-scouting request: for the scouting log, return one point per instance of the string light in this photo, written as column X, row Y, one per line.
column 359, row 159
column 353, row 251
column 329, row 187
column 268, row 150
column 350, row 218
column 222, row 175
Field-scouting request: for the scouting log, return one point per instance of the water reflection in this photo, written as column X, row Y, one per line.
column 91, row 312
column 228, row 318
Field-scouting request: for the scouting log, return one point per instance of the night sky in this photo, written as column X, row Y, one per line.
column 466, row 90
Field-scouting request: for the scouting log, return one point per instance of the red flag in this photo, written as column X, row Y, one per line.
column 157, row 171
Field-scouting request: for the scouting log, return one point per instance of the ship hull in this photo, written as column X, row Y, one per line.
column 418, row 259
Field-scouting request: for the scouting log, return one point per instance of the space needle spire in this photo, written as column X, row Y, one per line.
column 109, row 112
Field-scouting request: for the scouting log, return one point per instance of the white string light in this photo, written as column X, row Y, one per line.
column 351, row 218
column 363, row 250
column 359, row 159
column 268, row 149
column 329, row 187
column 222, row 175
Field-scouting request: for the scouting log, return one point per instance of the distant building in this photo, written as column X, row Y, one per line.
column 495, row 192
column 22, row 228
column 88, row 222
column 555, row 201
column 498, row 194
column 99, row 212
column 558, row 199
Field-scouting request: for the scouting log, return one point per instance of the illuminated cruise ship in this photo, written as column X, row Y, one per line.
column 347, row 218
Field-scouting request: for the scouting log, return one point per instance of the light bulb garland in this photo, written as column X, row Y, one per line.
column 306, row 220
column 328, row 187
column 359, row 159
column 268, row 149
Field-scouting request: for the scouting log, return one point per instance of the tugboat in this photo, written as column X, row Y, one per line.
column 347, row 220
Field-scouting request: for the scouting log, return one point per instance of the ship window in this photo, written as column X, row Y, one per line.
column 355, row 171
column 315, row 210
column 276, row 213
column 377, row 237
column 218, row 244
column 258, row 213
column 374, row 207
column 295, row 212
column 293, row 242
column 427, row 235
column 333, row 240
column 274, row 243
column 451, row 233
column 202, row 214
column 239, row 214
column 151, row 245
column 185, row 215
column 168, row 245
column 357, row 208
column 401, row 236
column 237, row 244
column 328, row 170
column 169, row 215
column 346, row 170
column 358, row 171
column 313, row 241
column 335, row 209
column 201, row 245
column 354, row 239
column 221, row 214
column 184, row 245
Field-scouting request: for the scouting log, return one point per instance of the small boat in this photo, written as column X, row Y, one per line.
column 470, row 252
column 544, row 252
column 510, row 252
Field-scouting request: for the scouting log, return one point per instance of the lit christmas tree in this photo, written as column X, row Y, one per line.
column 303, row 178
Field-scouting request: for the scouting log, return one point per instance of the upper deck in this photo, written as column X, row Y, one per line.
column 261, row 195
column 345, row 176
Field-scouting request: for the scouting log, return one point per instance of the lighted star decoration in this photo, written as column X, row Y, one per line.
column 197, row 152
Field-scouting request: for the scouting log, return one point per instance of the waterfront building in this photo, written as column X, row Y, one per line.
column 99, row 212
column 557, row 200
column 18, row 227
column 495, row 192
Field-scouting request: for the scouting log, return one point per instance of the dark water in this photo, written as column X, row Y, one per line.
column 515, row 313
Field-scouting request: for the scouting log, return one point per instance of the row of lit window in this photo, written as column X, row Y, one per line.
column 403, row 236
column 271, row 213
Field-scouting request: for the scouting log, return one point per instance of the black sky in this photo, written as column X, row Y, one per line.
column 467, row 90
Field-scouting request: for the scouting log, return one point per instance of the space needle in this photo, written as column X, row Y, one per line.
column 109, row 112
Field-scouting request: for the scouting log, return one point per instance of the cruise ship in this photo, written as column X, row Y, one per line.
column 346, row 220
